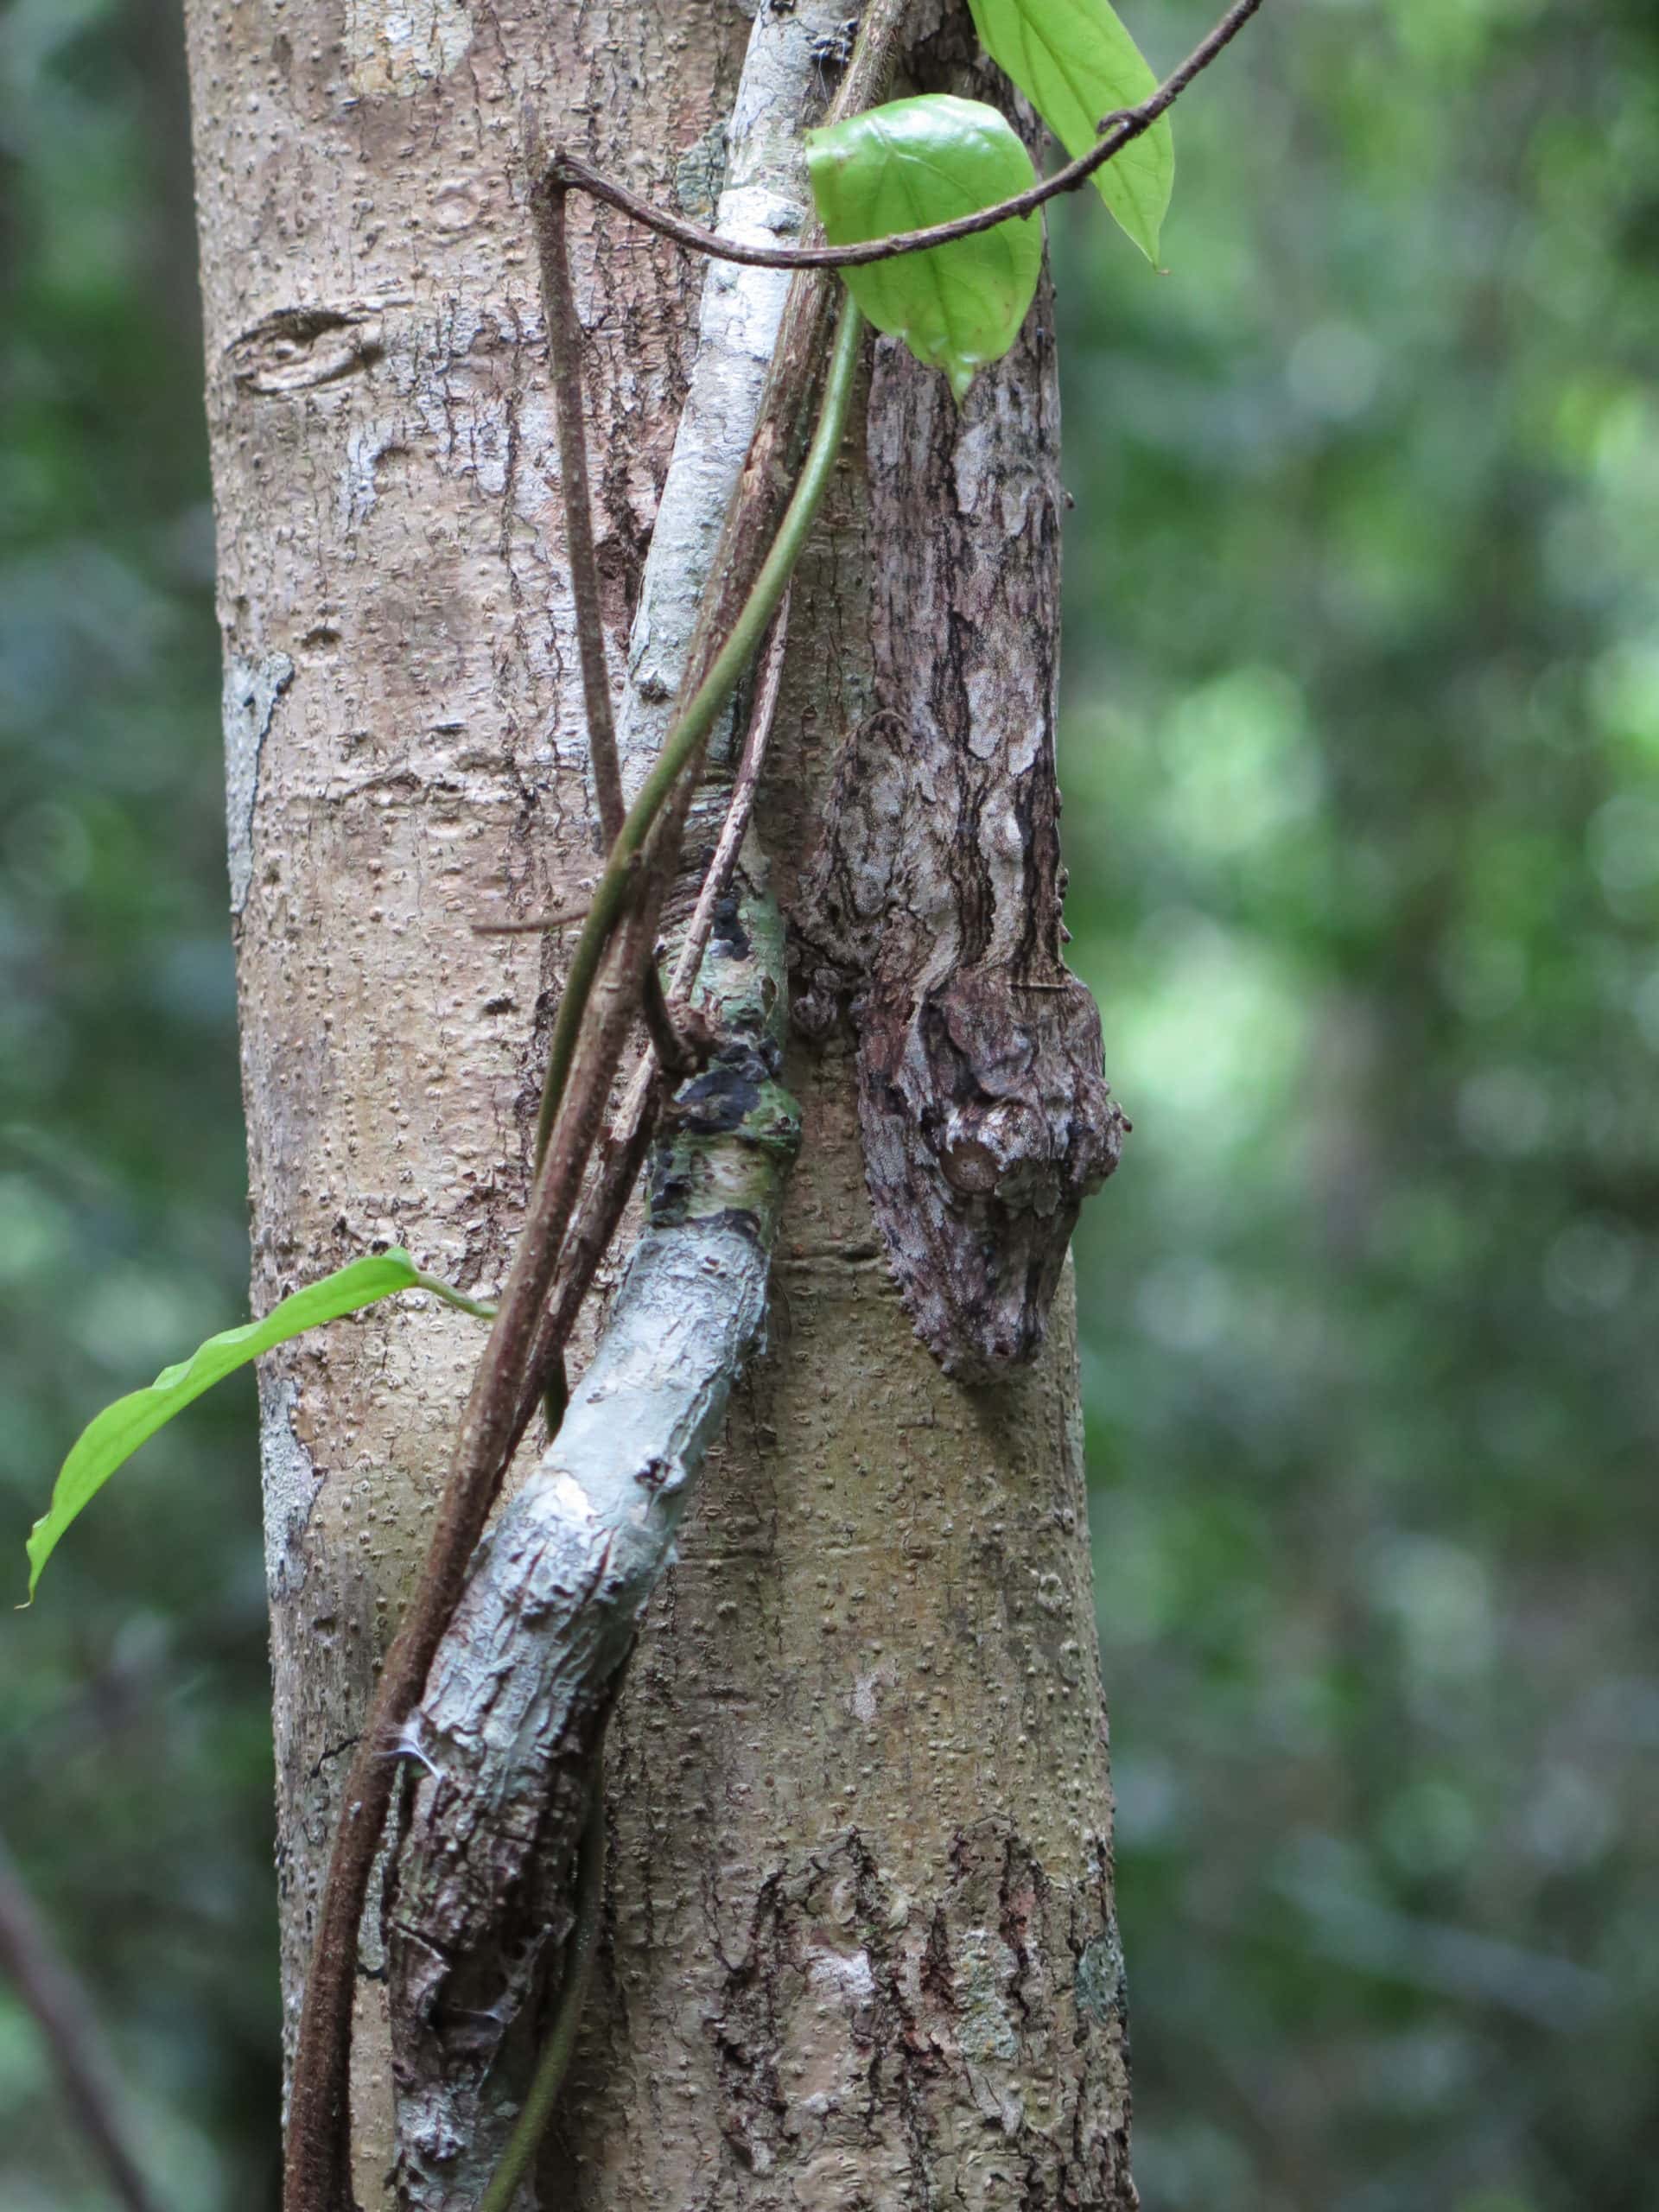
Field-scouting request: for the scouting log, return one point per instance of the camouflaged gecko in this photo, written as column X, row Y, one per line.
column 931, row 911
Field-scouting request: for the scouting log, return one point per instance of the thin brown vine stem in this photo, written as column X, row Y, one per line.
column 745, row 784
column 317, row 2099
column 565, row 352
column 676, row 1055
column 622, row 1155
column 1119, row 130
column 625, row 1145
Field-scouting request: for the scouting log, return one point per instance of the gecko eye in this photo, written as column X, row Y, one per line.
column 970, row 1166
column 1002, row 1149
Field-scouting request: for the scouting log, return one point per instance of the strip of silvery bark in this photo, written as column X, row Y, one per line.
column 517, row 1698
column 765, row 198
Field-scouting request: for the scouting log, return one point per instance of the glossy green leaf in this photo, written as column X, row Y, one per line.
column 903, row 168
column 1074, row 62
column 117, row 1432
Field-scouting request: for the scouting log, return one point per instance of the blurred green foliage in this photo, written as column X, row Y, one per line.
column 1362, row 764
column 134, row 1731
column 1363, row 772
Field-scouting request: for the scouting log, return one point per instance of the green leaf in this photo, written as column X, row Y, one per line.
column 1074, row 62
column 904, row 167
column 118, row 1431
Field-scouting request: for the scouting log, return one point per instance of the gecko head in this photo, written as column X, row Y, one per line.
column 988, row 1120
column 1021, row 1112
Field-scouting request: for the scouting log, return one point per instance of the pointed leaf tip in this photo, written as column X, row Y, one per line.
column 1075, row 63
column 116, row 1434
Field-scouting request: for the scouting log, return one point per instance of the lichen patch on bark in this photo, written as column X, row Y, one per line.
column 251, row 690
column 290, row 1482
column 399, row 45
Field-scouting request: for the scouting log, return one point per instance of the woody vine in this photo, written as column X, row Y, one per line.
column 927, row 207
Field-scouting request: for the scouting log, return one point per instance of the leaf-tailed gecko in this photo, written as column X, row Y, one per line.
column 929, row 911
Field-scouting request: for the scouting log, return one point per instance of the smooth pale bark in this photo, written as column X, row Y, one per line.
column 861, row 1947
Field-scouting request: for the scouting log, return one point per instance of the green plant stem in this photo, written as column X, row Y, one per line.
column 451, row 1296
column 554, row 2062
column 684, row 739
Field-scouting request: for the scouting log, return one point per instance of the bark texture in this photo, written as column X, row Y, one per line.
column 861, row 1949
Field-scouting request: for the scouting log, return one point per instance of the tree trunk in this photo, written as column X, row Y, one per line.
column 861, row 1948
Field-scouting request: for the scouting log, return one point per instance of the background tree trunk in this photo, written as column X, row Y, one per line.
column 861, row 1949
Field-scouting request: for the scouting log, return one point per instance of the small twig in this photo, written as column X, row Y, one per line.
column 717, row 881
column 532, row 926
column 1119, row 130
column 564, row 350
column 51, row 1993
column 675, row 1055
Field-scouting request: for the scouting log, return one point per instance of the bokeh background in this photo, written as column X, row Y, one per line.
column 1361, row 755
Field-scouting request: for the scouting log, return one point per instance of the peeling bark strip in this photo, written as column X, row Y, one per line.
column 523, row 1686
